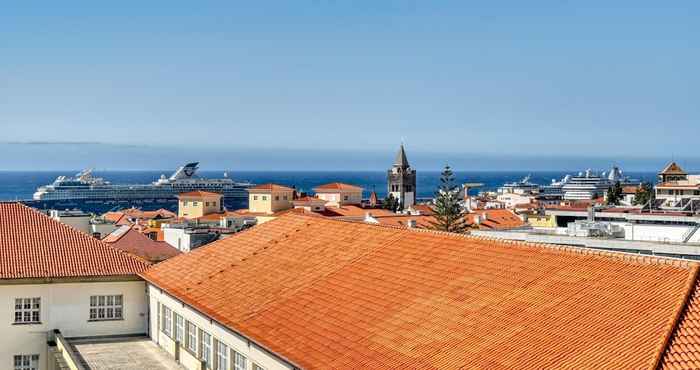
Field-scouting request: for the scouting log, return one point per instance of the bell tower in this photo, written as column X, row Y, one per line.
column 401, row 180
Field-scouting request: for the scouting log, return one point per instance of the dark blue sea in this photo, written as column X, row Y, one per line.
column 19, row 185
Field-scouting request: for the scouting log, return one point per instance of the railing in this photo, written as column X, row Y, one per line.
column 689, row 234
column 65, row 357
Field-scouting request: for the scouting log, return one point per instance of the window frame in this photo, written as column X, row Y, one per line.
column 27, row 310
column 191, row 331
column 235, row 357
column 110, row 306
column 205, row 352
column 222, row 355
column 167, row 325
column 179, row 330
column 26, row 362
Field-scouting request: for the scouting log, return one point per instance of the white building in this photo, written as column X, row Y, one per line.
column 53, row 277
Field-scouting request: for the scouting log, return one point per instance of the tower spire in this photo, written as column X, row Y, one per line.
column 401, row 160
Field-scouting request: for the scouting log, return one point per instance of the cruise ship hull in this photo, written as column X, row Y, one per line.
column 105, row 205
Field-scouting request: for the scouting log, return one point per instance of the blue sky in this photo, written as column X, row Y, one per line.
column 596, row 78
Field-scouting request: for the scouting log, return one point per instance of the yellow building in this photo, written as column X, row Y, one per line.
column 270, row 198
column 543, row 221
column 199, row 203
column 337, row 194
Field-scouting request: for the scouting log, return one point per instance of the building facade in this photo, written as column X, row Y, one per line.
column 401, row 180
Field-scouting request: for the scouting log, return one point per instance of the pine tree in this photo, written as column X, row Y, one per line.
column 643, row 194
column 449, row 213
column 391, row 203
column 614, row 195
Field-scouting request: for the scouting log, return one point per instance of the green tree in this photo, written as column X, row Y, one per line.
column 391, row 203
column 614, row 195
column 449, row 213
column 644, row 194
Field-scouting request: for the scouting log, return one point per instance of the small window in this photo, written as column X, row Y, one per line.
column 185, row 203
column 213, row 204
column 26, row 362
column 167, row 325
column 277, row 197
column 28, row 310
column 206, row 204
column 264, row 197
column 285, row 197
column 195, row 203
column 106, row 307
column 255, row 197
column 257, row 367
column 205, row 355
column 191, row 337
column 240, row 362
column 179, row 328
column 221, row 356
column 346, row 197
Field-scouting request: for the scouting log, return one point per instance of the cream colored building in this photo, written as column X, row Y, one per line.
column 53, row 277
column 337, row 194
column 198, row 203
column 270, row 198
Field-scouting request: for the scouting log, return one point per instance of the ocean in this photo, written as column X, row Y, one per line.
column 20, row 185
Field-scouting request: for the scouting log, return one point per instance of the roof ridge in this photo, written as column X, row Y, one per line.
column 82, row 234
column 571, row 249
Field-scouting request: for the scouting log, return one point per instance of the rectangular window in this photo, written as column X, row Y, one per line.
column 240, row 362
column 167, row 321
column 179, row 329
column 27, row 310
column 191, row 337
column 185, row 203
column 26, row 362
column 284, row 197
column 264, row 197
column 106, row 307
column 221, row 356
column 255, row 197
column 206, row 204
column 257, row 367
column 195, row 203
column 345, row 197
column 205, row 354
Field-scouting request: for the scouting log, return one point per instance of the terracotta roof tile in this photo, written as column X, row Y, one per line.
column 32, row 245
column 270, row 187
column 329, row 294
column 129, row 240
column 336, row 186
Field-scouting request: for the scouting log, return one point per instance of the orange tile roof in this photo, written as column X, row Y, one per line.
column 32, row 245
column 199, row 193
column 422, row 221
column 683, row 352
column 496, row 219
column 672, row 169
column 270, row 187
column 354, row 211
column 336, row 186
column 348, row 295
column 129, row 240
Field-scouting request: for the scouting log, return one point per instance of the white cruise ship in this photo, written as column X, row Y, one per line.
column 590, row 185
column 90, row 193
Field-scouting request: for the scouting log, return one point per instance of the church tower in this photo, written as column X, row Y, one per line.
column 401, row 180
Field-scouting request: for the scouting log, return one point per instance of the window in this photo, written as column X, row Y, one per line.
column 257, row 367
column 277, row 197
column 221, row 356
column 255, row 197
column 285, row 197
column 26, row 362
column 27, row 310
column 106, row 307
column 179, row 328
column 346, row 197
column 206, row 204
column 185, row 203
column 239, row 361
column 264, row 197
column 191, row 337
column 205, row 354
column 195, row 203
column 167, row 326
column 213, row 204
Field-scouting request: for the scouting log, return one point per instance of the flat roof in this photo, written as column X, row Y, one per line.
column 121, row 352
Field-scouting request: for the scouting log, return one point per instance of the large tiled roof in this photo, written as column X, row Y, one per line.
column 32, row 245
column 672, row 169
column 329, row 294
column 684, row 350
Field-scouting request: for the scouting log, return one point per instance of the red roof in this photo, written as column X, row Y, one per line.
column 199, row 193
column 336, row 186
column 126, row 238
column 672, row 169
column 328, row 294
column 270, row 187
column 32, row 245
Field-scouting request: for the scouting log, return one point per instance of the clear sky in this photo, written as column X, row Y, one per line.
column 590, row 78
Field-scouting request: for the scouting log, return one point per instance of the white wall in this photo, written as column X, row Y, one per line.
column 66, row 306
column 177, row 238
column 235, row 342
column 657, row 233
column 81, row 223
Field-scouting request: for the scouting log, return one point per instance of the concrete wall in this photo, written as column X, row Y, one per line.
column 193, row 207
column 235, row 342
column 656, row 233
column 66, row 306
column 341, row 197
column 81, row 223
